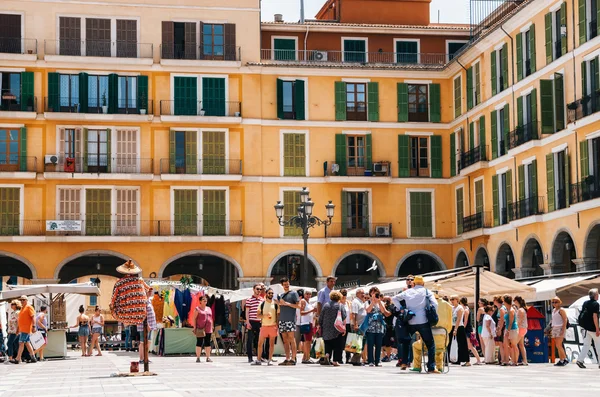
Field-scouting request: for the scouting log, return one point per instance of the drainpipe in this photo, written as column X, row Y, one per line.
column 305, row 40
column 512, row 87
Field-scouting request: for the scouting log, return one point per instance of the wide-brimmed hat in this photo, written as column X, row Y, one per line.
column 23, row 298
column 129, row 268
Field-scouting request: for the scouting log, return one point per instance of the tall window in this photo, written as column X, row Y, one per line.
column 127, row 46
column 356, row 101
column 421, row 219
column 454, row 48
column 356, row 155
column 98, row 213
column 556, row 25
column 97, row 93
column 10, row 34
column 69, row 92
column 503, row 198
column 10, row 91
column 70, row 36
column 294, row 155
column 418, row 103
column 284, row 49
column 357, row 214
column 10, row 150
column 355, row 51
column 185, row 220
column 291, row 202
column 457, row 96
column 97, row 42
column 288, row 100
column 10, row 208
column 213, row 41
column 127, row 94
column 407, row 51
column 479, row 196
column 419, row 156
column 214, row 212
column 460, row 211
column 97, row 151
column 528, row 48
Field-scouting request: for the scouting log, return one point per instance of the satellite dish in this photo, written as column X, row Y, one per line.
column 373, row 266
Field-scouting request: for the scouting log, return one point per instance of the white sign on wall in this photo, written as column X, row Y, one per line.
column 63, row 226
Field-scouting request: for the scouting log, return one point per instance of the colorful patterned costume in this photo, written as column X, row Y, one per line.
column 129, row 299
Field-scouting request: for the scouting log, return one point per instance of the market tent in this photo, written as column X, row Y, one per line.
column 567, row 288
column 37, row 289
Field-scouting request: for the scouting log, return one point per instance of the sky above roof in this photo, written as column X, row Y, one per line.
column 450, row 11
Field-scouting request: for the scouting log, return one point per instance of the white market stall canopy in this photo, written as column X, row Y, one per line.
column 38, row 289
column 246, row 293
column 568, row 288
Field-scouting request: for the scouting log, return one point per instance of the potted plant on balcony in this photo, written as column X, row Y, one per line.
column 104, row 104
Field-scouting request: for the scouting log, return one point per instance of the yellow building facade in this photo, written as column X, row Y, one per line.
column 166, row 134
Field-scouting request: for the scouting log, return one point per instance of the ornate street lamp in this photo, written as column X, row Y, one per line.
column 305, row 219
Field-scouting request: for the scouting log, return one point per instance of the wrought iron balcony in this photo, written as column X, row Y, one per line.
column 11, row 100
column 527, row 207
column 357, row 168
column 476, row 221
column 100, row 164
column 205, row 166
column 190, row 227
column 94, row 106
column 473, row 156
column 200, row 108
column 99, row 48
column 583, row 107
column 359, row 228
column 10, row 45
column 588, row 189
column 17, row 163
column 221, row 52
column 523, row 134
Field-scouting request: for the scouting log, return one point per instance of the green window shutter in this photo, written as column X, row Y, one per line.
column 53, row 92
column 299, row 100
column 482, row 137
column 496, row 209
column 559, row 101
column 519, row 56
column 477, row 84
column 279, row 99
column 534, row 106
column 185, row 92
column 494, row 74
column 83, row 92
column 596, row 74
column 369, row 151
column 340, row 153
column 420, row 214
column 548, row 23
column 85, row 150
column 113, row 93
column 98, row 213
column 547, row 101
column 436, row 156
column 108, row 151
column 23, row 153
column 213, row 96
column 532, row 52
column 584, row 78
column 186, row 212
column 191, row 152
column 521, row 173
column 373, row 101
column 294, row 161
column 403, row 157
column 472, row 135
column 550, row 181
column 506, row 126
column 494, row 134
column 435, row 107
column 142, row 93
column 27, row 90
column 520, row 111
column 504, row 67
column 563, row 22
column 171, row 152
column 453, row 154
column 509, row 194
column 534, row 189
column 584, row 159
column 402, row 102
column 479, row 197
column 459, row 211
column 582, row 22
column 470, row 88
column 214, row 213
column 344, row 202
column 340, row 101
column 567, row 178
column 457, row 97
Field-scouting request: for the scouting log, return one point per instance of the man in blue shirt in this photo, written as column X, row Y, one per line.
column 323, row 296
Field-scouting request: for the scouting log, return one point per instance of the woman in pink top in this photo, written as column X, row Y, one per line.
column 203, row 328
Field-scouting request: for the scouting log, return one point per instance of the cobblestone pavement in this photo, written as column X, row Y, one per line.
column 233, row 376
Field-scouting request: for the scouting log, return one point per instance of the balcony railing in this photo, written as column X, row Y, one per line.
column 358, row 168
column 98, row 48
column 583, row 107
column 100, row 164
column 11, row 101
column 502, row 149
column 351, row 57
column 206, row 166
column 473, row 156
column 476, row 221
column 359, row 229
column 200, row 108
column 123, row 227
column 523, row 134
column 17, row 163
column 201, row 52
column 592, row 29
column 588, row 189
column 527, row 207
column 9, row 45
column 95, row 106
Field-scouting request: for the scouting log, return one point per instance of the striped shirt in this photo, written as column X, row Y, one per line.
column 252, row 304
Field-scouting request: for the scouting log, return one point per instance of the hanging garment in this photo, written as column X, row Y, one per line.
column 187, row 303
column 158, row 303
column 195, row 303
column 167, row 307
column 179, row 305
column 219, row 312
column 129, row 300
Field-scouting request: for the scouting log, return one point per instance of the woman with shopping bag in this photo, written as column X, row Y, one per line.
column 333, row 327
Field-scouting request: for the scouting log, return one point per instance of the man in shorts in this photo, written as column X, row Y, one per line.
column 26, row 328
column 267, row 312
column 289, row 301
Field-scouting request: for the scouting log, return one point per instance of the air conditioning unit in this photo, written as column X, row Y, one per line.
column 320, row 56
column 50, row 159
column 382, row 231
column 380, row 168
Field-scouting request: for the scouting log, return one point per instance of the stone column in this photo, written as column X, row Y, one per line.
column 585, row 264
column 321, row 282
column 553, row 268
column 524, row 272
column 248, row 282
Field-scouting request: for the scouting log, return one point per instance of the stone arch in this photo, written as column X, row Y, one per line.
column 90, row 253
column 461, row 254
column 591, row 247
column 439, row 260
column 481, row 254
column 380, row 267
column 503, row 265
column 559, row 260
column 528, row 250
column 200, row 252
column 23, row 260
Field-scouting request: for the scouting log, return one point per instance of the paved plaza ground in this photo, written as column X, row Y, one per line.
column 233, row 376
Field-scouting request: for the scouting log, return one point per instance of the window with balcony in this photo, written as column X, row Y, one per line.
column 419, row 103
column 184, row 149
column 475, row 149
column 557, row 182
column 97, row 151
column 178, row 40
column 590, row 100
column 552, row 99
column 69, row 93
column 284, row 49
column 211, row 103
column 528, row 203
column 420, row 156
column 473, row 86
column 200, row 212
column 588, row 20
column 502, row 197
column 10, row 211
column 97, row 93
column 479, row 196
column 127, row 45
column 70, row 36
column 460, row 210
column 499, row 69
column 10, row 34
column 500, row 131
column 294, row 154
column 10, row 88
column 457, row 96
column 13, row 149
column 213, row 41
column 291, row 202
column 353, row 155
column 556, row 33
column 217, row 41
column 355, row 214
column 421, row 214
column 97, row 42
column 454, row 47
column 128, row 94
column 407, row 51
column 527, row 125
column 589, row 186
column 526, row 62
column 356, row 101
column 291, row 99
column 355, row 50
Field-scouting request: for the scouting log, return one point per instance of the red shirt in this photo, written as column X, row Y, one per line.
column 252, row 307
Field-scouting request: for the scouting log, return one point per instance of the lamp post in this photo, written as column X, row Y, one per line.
column 305, row 218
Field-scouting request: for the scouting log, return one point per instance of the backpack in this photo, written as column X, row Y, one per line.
column 430, row 311
column 585, row 318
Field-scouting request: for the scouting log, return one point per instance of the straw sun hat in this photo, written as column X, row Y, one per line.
column 129, row 268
